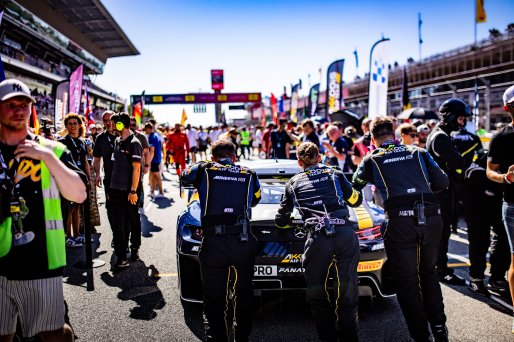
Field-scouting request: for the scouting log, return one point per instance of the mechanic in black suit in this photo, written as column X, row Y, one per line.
column 406, row 177
column 321, row 194
column 227, row 254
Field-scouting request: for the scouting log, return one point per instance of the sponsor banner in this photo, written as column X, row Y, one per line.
column 265, row 270
column 313, row 100
column 295, row 96
column 196, row 98
column 217, row 79
column 75, row 93
column 61, row 104
column 378, row 79
column 334, row 86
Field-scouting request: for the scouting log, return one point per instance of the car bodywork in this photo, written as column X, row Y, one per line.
column 278, row 264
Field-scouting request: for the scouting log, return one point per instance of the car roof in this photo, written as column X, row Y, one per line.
column 272, row 167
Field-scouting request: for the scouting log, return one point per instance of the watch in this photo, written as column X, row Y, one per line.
column 133, row 192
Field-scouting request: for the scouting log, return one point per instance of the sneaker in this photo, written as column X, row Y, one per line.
column 73, row 243
column 440, row 333
column 500, row 285
column 159, row 195
column 479, row 288
column 82, row 239
column 121, row 264
column 134, row 255
column 452, row 279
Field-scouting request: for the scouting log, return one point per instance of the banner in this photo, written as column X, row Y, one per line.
column 481, row 16
column 313, row 100
column 87, row 107
column 61, row 103
column 295, row 96
column 378, row 78
column 274, row 109
column 405, row 91
column 334, row 87
column 76, row 89
column 137, row 113
column 2, row 71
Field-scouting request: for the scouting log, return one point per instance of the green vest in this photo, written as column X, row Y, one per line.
column 245, row 138
column 54, row 228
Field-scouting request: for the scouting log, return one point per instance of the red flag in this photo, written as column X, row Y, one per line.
column 274, row 109
column 33, row 121
column 263, row 115
column 137, row 113
column 87, row 108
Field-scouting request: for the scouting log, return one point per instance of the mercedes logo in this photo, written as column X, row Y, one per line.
column 300, row 232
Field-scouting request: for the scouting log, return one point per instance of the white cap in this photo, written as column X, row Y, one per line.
column 508, row 95
column 423, row 128
column 12, row 88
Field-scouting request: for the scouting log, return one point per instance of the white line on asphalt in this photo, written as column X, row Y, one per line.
column 148, row 206
column 459, row 257
column 459, row 239
column 501, row 302
column 462, row 231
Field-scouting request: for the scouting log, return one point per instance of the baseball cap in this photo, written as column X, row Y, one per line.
column 11, row 88
column 508, row 95
column 423, row 128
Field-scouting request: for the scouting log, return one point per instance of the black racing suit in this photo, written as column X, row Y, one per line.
column 226, row 193
column 405, row 177
column 312, row 191
column 442, row 148
column 483, row 207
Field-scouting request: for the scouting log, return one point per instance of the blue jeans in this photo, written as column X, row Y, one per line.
column 508, row 221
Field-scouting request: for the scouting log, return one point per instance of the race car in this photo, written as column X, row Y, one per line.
column 278, row 264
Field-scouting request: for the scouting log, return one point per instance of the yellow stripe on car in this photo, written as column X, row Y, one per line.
column 364, row 219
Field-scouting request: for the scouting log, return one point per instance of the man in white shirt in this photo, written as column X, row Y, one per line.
column 192, row 135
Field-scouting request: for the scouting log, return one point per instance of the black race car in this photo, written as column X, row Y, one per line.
column 278, row 265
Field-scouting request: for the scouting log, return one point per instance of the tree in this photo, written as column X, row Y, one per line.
column 510, row 28
column 493, row 33
column 410, row 60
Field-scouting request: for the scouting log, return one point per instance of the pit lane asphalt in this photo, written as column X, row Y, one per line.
column 135, row 305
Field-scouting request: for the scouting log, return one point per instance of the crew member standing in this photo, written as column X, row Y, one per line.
column 321, row 193
column 228, row 250
column 180, row 147
column 405, row 177
column 442, row 148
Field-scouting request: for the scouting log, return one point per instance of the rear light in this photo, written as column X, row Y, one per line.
column 196, row 232
column 369, row 234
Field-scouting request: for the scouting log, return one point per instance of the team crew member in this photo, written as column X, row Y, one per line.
column 180, row 147
column 124, row 183
column 405, row 177
column 500, row 168
column 34, row 174
column 228, row 250
column 442, row 148
column 321, row 194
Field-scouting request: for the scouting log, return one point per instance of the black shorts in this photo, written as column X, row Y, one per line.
column 192, row 149
column 154, row 167
column 202, row 148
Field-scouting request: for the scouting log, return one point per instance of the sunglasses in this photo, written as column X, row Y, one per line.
column 73, row 123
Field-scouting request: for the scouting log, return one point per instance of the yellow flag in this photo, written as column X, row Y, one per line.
column 480, row 11
column 184, row 117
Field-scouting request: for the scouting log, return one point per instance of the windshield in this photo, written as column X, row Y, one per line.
column 272, row 193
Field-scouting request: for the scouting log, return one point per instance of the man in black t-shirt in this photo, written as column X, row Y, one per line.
column 32, row 169
column 125, row 179
column 280, row 140
column 309, row 133
column 500, row 168
column 103, row 154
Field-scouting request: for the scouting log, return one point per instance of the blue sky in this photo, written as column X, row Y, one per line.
column 266, row 45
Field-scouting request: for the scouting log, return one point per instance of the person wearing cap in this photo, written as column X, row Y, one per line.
column 34, row 173
column 423, row 132
column 406, row 178
column 500, row 169
column 125, row 180
column 442, row 148
column 322, row 194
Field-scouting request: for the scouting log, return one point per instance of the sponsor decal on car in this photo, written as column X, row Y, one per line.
column 291, row 270
column 264, row 270
column 370, row 266
column 274, row 249
column 292, row 258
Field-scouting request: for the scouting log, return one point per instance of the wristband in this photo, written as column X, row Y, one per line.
column 506, row 179
column 133, row 192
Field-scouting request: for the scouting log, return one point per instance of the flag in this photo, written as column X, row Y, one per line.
column 263, row 115
column 76, row 89
column 281, row 103
column 295, row 96
column 313, row 100
column 481, row 16
column 405, row 90
column 420, row 22
column 33, row 121
column 378, row 79
column 142, row 103
column 2, row 71
column 184, row 117
column 274, row 110
column 356, row 58
column 334, row 87
column 137, row 113
column 87, row 107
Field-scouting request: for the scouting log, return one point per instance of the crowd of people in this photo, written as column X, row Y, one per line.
column 64, row 170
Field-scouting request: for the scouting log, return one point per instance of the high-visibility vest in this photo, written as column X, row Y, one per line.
column 245, row 138
column 54, row 227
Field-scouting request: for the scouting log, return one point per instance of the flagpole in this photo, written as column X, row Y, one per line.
column 420, row 41
column 475, row 88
